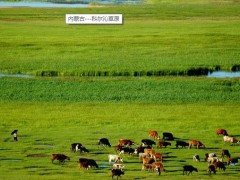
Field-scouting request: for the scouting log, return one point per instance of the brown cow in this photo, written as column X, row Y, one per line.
column 154, row 134
column 148, row 160
column 225, row 152
column 211, row 168
column 232, row 160
column 220, row 131
column 219, row 165
column 158, row 156
column 60, row 157
column 196, row 143
column 125, row 142
column 148, row 151
column 159, row 165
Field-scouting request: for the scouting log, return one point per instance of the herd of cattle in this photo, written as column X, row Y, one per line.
column 152, row 160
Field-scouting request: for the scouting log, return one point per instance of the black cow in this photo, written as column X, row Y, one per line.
column 148, row 142
column 117, row 172
column 74, row 145
column 187, row 169
column 104, row 142
column 127, row 150
column 181, row 143
column 140, row 149
column 87, row 163
column 168, row 136
column 225, row 152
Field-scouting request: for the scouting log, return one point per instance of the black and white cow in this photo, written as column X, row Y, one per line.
column 104, row 142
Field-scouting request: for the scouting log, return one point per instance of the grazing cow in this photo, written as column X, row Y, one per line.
column 196, row 143
column 118, row 148
column 125, row 142
column 149, row 151
column 230, row 139
column 87, row 163
column 118, row 166
column 127, row 150
column 147, row 166
column 211, row 160
column 232, row 161
column 148, row 160
column 158, row 166
column 211, row 168
column 168, row 136
column 60, row 157
column 163, row 143
column 219, row 165
column 148, row 142
column 209, row 155
column 153, row 134
column 74, row 145
column 225, row 152
column 142, row 155
column 104, row 142
column 81, row 149
column 114, row 158
column 188, row 169
column 158, row 156
column 196, row 158
column 117, row 172
column 140, row 149
column 181, row 143
column 220, row 131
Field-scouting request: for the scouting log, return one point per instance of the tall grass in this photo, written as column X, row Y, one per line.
column 147, row 90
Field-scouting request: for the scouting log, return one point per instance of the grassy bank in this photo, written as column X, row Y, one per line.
column 42, row 131
column 174, row 36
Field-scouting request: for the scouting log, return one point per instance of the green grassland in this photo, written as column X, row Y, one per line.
column 159, row 36
column 53, row 112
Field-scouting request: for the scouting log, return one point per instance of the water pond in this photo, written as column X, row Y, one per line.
column 223, row 74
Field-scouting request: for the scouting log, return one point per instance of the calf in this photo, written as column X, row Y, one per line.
column 163, row 143
column 154, row 134
column 211, row 168
column 60, row 157
column 196, row 143
column 148, row 142
column 114, row 158
column 188, row 169
column 181, row 143
column 168, row 136
column 219, row 165
column 125, row 142
column 117, row 172
column 220, row 131
column 225, row 152
column 232, row 161
column 104, row 142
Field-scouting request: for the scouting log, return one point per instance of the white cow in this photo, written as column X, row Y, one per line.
column 118, row 166
column 115, row 158
column 230, row 139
